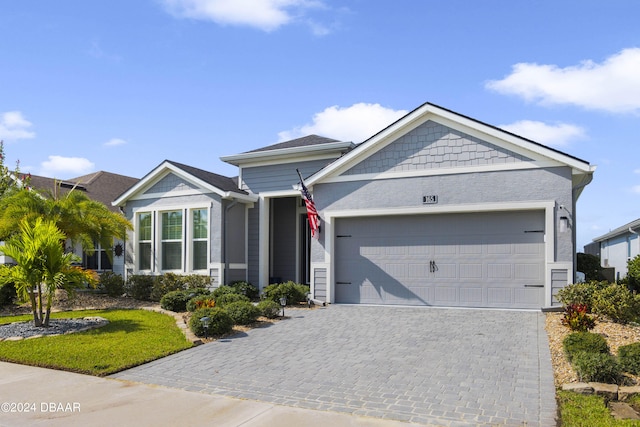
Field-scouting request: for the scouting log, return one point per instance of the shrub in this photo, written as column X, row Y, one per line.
column 588, row 342
column 597, row 367
column 580, row 293
column 246, row 289
column 199, row 300
column 177, row 300
column 242, row 312
column 633, row 273
column 294, row 292
column 219, row 322
column 226, row 299
column 616, row 302
column 629, row 358
column 139, row 287
column 7, row 294
column 223, row 290
column 577, row 319
column 111, row 283
column 269, row 309
column 196, row 281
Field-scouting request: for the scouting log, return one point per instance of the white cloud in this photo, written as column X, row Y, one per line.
column 636, row 189
column 58, row 166
column 114, row 142
column 14, row 126
column 266, row 15
column 355, row 123
column 556, row 135
column 613, row 85
column 637, row 171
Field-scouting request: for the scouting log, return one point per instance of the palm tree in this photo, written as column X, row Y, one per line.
column 41, row 267
column 78, row 217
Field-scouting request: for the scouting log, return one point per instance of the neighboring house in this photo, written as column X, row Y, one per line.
column 617, row 247
column 102, row 187
column 436, row 209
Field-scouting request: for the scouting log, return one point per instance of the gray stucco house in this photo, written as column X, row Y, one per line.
column 436, row 209
column 617, row 247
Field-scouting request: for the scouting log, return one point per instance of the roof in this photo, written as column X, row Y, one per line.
column 633, row 225
column 428, row 111
column 100, row 186
column 298, row 142
column 223, row 186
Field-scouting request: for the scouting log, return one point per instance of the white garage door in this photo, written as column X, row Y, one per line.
column 469, row 260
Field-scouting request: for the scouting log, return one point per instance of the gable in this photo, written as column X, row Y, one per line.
column 432, row 146
column 170, row 183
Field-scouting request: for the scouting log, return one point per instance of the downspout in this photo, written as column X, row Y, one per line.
column 577, row 189
column 224, row 239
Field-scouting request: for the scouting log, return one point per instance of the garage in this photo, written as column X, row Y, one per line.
column 484, row 259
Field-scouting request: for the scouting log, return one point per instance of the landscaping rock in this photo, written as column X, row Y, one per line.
column 622, row 411
column 625, row 392
column 582, row 388
column 608, row 391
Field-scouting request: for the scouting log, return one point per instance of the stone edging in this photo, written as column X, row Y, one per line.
column 608, row 391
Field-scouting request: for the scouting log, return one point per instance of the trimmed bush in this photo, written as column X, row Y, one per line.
column 246, row 289
column 7, row 294
column 584, row 342
column 199, row 301
column 139, row 287
column 597, row 367
column 616, row 302
column 177, row 300
column 223, row 290
column 197, row 281
column 111, row 283
column 242, row 312
column 220, row 322
column 169, row 282
column 580, row 293
column 269, row 309
column 577, row 319
column 633, row 273
column 294, row 292
column 226, row 299
column 629, row 358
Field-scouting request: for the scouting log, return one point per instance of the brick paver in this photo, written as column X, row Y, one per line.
column 448, row 367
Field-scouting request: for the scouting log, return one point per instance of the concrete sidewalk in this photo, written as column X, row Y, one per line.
column 56, row 398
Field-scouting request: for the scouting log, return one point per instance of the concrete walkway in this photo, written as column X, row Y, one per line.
column 444, row 367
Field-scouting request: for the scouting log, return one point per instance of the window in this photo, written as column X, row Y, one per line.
column 200, row 238
column 144, row 240
column 99, row 260
column 171, row 240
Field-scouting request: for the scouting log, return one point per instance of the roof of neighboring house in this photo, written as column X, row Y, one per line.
column 100, row 186
column 222, row 182
column 633, row 225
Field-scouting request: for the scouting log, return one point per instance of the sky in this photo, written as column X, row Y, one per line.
column 122, row 85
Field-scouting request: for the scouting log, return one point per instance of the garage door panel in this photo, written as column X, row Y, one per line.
column 481, row 260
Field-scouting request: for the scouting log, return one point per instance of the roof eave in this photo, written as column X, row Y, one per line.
column 282, row 153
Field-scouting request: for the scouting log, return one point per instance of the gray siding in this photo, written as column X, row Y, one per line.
column 253, row 245
column 559, row 279
column 472, row 188
column 431, row 146
column 278, row 177
column 234, row 228
column 169, row 183
column 283, row 252
column 320, row 284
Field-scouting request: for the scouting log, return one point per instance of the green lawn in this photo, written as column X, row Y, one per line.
column 578, row 410
column 131, row 338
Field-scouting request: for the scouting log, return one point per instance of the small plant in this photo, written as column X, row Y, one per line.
column 294, row 292
column 242, row 312
column 246, row 289
column 219, row 322
column 577, row 319
column 139, row 287
column 616, row 302
column 226, row 299
column 192, row 304
column 629, row 358
column 177, row 300
column 269, row 309
column 111, row 283
column 588, row 342
column 205, row 303
column 597, row 367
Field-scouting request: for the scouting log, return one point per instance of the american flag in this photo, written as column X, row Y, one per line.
column 312, row 213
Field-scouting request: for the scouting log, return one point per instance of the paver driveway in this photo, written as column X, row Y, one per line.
column 425, row 365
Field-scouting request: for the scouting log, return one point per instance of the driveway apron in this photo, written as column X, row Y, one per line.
column 448, row 367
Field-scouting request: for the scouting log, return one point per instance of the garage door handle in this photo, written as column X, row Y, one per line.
column 343, row 283
column 534, row 286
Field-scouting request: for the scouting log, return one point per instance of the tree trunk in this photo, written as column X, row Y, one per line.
column 40, row 304
column 34, row 307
